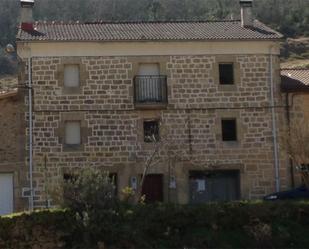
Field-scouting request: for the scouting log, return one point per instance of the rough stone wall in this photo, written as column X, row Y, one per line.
column 298, row 122
column 306, row 106
column 113, row 131
column 12, row 139
column 194, row 82
column 10, row 148
column 8, row 83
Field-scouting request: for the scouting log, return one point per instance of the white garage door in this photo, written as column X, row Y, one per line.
column 6, row 194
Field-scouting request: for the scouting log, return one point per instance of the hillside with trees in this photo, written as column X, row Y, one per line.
column 290, row 17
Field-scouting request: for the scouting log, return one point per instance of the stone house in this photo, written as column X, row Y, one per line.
column 12, row 150
column 204, row 95
column 295, row 92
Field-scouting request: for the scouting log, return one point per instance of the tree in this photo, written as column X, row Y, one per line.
column 298, row 148
column 85, row 190
column 169, row 151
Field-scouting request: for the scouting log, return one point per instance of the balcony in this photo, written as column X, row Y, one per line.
column 150, row 91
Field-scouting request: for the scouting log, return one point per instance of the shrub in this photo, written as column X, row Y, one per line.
column 90, row 190
column 90, row 194
column 215, row 225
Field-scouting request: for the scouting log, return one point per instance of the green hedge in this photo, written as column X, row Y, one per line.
column 225, row 225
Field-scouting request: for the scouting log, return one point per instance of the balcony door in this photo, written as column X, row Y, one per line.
column 149, row 87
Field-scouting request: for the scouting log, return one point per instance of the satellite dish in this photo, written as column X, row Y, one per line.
column 9, row 48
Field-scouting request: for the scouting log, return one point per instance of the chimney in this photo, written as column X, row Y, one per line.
column 246, row 13
column 26, row 11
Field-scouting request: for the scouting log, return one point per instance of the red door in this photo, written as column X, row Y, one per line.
column 153, row 188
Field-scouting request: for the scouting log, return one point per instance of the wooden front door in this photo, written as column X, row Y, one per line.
column 153, row 188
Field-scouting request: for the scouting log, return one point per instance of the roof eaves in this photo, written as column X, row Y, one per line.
column 18, row 39
column 8, row 94
column 289, row 85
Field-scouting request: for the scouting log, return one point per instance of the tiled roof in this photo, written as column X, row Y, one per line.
column 8, row 86
column 144, row 31
column 294, row 80
column 7, row 94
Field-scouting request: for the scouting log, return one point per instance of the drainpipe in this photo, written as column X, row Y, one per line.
column 30, row 132
column 274, row 123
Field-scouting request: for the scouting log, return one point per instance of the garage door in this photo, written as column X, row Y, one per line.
column 206, row 186
column 6, row 194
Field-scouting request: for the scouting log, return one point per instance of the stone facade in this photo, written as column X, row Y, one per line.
column 297, row 115
column 111, row 124
column 8, row 83
column 12, row 139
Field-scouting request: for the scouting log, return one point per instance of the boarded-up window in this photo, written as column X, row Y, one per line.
column 71, row 76
column 72, row 133
column 226, row 74
column 229, row 130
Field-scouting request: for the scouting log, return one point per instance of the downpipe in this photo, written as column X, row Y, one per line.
column 30, row 133
column 274, row 123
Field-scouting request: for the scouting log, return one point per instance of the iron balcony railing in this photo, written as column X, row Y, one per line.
column 150, row 89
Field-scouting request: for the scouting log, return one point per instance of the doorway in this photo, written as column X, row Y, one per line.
column 153, row 188
column 6, row 193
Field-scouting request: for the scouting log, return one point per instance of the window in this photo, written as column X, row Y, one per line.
column 226, row 73
column 304, row 167
column 148, row 83
column 72, row 133
column 71, row 76
column 151, row 131
column 229, row 131
column 69, row 178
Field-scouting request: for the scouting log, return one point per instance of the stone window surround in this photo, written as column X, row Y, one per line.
column 240, row 129
column 162, row 61
column 83, row 74
column 85, row 131
column 231, row 59
column 146, row 116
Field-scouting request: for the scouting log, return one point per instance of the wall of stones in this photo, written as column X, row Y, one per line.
column 12, row 140
column 9, row 130
column 298, row 124
column 190, row 123
column 8, row 83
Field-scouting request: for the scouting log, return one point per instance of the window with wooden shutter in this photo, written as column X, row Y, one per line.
column 71, row 76
column 72, row 133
